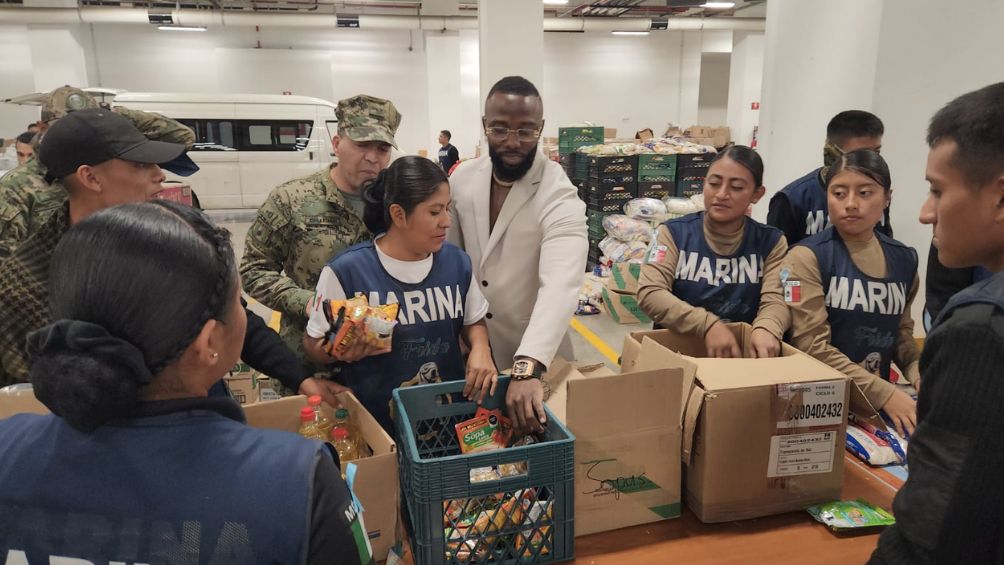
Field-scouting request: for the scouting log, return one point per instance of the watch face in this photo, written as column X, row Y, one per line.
column 521, row 368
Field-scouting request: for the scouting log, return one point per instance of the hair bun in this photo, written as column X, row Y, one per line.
column 66, row 336
column 374, row 191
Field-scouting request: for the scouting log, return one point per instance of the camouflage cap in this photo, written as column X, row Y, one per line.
column 367, row 118
column 64, row 100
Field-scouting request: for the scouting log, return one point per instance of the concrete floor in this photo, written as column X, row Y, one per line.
column 598, row 338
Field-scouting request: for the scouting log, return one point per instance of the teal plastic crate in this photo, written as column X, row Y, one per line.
column 441, row 498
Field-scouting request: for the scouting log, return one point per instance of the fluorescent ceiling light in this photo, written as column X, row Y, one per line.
column 718, row 5
column 181, row 28
column 556, row 2
column 629, row 32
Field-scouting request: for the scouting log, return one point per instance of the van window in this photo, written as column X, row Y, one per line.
column 250, row 135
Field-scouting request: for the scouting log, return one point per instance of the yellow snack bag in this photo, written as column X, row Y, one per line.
column 380, row 322
column 346, row 318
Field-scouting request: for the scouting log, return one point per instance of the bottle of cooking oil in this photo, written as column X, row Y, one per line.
column 323, row 422
column 308, row 425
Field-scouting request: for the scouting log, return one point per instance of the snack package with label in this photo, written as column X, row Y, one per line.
column 534, row 541
column 354, row 319
column 644, row 208
column 869, row 448
column 485, row 432
column 850, row 515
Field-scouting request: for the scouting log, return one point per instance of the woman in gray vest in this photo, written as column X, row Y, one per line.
column 850, row 288
column 136, row 463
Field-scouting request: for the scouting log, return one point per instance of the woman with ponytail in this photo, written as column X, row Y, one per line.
column 148, row 318
column 408, row 262
column 850, row 288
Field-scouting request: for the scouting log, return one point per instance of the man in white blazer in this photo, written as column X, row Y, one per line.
column 520, row 219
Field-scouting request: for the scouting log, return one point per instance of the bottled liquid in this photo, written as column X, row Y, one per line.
column 345, row 447
column 324, row 424
column 308, row 425
column 344, row 420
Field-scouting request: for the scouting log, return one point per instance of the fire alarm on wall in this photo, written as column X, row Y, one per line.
column 756, row 106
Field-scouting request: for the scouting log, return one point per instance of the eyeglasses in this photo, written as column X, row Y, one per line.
column 501, row 134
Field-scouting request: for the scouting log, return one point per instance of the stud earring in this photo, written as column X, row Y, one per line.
column 215, row 355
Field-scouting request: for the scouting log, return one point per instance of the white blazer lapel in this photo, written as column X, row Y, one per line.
column 480, row 200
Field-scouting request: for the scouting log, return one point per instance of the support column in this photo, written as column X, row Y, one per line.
column 511, row 42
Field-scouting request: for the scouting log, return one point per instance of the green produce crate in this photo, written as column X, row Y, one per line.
column 524, row 518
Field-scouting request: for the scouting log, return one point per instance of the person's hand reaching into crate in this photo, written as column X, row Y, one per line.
column 525, row 401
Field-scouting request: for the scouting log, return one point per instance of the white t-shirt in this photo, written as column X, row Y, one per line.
column 408, row 272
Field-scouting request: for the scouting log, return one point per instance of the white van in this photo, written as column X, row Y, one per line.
column 245, row 144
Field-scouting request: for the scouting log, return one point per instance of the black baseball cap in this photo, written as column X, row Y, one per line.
column 95, row 135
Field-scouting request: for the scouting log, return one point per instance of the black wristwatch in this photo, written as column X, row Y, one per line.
column 526, row 368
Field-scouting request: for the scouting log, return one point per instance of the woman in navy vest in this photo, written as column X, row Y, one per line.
column 850, row 288
column 136, row 463
column 409, row 262
column 720, row 266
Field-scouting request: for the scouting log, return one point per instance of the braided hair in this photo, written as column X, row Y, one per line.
column 130, row 288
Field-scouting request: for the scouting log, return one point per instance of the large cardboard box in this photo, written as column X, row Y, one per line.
column 722, row 136
column 376, row 481
column 624, row 277
column 760, row 436
column 623, row 306
column 19, row 399
column 627, row 442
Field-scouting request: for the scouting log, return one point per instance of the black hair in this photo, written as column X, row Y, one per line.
column 514, row 85
column 32, row 125
column 150, row 275
column 853, row 123
column 25, row 137
column 870, row 164
column 975, row 122
column 747, row 158
column 447, row 133
column 408, row 182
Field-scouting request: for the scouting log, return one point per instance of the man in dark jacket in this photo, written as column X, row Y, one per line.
column 951, row 508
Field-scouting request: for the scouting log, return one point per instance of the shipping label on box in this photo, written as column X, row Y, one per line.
column 802, row 454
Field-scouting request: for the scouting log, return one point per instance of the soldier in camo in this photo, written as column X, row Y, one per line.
column 307, row 221
column 26, row 200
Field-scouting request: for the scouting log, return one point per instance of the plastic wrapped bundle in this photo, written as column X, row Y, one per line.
column 619, row 226
column 617, row 251
column 646, row 209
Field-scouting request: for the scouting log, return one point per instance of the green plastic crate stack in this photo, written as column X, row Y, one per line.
column 570, row 139
column 656, row 168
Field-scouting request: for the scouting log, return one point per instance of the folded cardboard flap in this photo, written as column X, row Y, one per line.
column 653, row 398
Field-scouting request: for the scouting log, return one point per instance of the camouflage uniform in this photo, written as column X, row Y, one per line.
column 27, row 201
column 304, row 223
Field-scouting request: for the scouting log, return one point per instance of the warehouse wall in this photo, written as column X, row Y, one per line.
column 713, row 101
column 624, row 82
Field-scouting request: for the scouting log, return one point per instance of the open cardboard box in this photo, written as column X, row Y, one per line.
column 760, row 436
column 627, row 441
column 376, row 482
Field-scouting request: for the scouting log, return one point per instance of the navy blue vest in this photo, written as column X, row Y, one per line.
column 864, row 313
column 986, row 291
column 192, row 486
column 426, row 344
column 727, row 286
column 808, row 204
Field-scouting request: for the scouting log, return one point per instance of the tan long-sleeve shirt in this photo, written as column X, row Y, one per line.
column 655, row 284
column 811, row 331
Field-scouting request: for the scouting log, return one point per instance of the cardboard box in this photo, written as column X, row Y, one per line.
column 644, row 135
column 760, row 436
column 609, row 133
column 624, row 277
column 19, row 399
column 376, row 482
column 722, row 136
column 623, row 307
column 699, row 131
column 627, row 437
column 246, row 385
